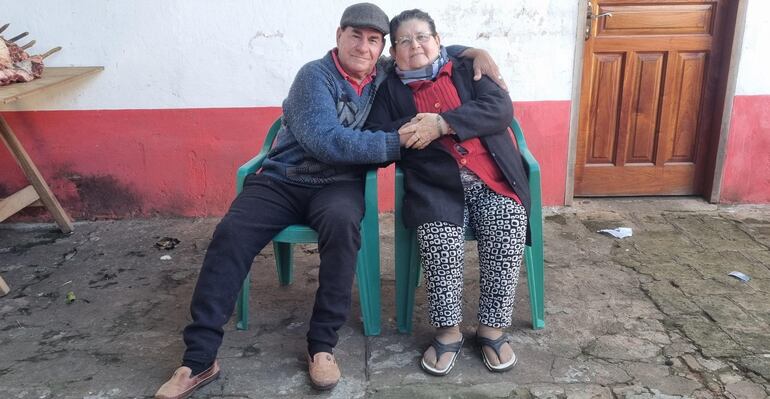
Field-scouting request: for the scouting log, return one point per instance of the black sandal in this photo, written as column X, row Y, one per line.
column 496, row 344
column 440, row 349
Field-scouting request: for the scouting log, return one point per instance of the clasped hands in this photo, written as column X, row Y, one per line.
column 419, row 132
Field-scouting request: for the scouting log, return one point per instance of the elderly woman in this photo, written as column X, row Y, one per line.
column 462, row 170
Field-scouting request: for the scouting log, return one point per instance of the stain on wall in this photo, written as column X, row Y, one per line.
column 105, row 197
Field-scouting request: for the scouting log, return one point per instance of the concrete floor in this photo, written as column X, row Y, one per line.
column 651, row 316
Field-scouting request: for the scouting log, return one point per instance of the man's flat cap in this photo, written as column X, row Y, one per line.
column 366, row 15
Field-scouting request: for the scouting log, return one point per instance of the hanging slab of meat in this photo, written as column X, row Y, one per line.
column 15, row 64
column 5, row 56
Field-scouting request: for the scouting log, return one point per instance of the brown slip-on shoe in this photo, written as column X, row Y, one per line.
column 323, row 369
column 181, row 385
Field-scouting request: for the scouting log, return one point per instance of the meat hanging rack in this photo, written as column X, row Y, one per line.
column 16, row 65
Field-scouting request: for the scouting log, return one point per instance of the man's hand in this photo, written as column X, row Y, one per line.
column 422, row 130
column 483, row 64
column 405, row 133
column 404, row 138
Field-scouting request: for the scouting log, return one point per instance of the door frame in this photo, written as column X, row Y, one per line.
column 727, row 84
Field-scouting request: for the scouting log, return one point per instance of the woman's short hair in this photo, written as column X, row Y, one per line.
column 406, row 15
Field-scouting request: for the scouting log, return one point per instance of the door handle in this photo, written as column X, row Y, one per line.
column 590, row 16
column 597, row 16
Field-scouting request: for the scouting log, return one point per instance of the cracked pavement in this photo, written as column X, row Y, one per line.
column 650, row 316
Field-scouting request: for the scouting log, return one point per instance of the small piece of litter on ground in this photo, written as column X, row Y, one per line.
column 167, row 243
column 740, row 276
column 620, row 232
column 70, row 297
column 165, row 257
column 71, row 254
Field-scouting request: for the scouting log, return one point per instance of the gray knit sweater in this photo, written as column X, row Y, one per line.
column 320, row 140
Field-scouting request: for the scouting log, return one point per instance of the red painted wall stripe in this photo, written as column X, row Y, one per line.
column 138, row 162
column 747, row 163
column 182, row 162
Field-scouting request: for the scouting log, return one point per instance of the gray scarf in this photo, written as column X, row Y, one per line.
column 428, row 72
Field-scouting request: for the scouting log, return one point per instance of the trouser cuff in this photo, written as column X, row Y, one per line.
column 196, row 366
column 315, row 347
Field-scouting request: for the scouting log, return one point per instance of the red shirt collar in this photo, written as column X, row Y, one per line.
column 359, row 87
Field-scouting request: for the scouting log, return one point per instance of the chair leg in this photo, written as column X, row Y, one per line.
column 407, row 259
column 534, row 254
column 242, row 305
column 368, row 271
column 415, row 274
column 407, row 279
column 368, row 278
column 535, row 282
column 284, row 262
column 402, row 260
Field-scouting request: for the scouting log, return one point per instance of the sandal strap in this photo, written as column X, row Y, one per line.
column 444, row 348
column 495, row 344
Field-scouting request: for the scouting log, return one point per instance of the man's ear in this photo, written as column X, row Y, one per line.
column 382, row 44
column 438, row 39
column 339, row 34
column 392, row 52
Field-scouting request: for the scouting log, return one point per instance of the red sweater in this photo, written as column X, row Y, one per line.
column 440, row 96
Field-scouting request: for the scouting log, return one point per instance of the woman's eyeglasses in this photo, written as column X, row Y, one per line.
column 406, row 41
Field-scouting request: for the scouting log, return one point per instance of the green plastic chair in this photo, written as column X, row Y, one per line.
column 407, row 257
column 367, row 265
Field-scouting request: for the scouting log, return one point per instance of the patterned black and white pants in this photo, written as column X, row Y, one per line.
column 500, row 226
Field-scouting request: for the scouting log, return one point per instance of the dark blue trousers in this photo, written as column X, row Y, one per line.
column 264, row 208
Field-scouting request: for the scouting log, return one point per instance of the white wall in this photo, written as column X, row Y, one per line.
column 754, row 70
column 241, row 53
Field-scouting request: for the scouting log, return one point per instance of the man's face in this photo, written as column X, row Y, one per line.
column 358, row 50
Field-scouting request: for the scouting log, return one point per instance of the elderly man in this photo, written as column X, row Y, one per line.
column 313, row 175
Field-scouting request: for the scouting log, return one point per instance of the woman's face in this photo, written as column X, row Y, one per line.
column 416, row 46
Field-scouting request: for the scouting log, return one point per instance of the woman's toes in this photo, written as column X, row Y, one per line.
column 444, row 361
column 506, row 354
column 430, row 357
column 491, row 355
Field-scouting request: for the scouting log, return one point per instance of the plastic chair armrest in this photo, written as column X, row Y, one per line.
column 255, row 163
column 249, row 167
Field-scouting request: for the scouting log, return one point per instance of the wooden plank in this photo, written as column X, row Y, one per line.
column 691, row 75
column 606, row 96
column 18, row 201
column 34, row 177
column 608, row 180
column 4, row 289
column 649, row 19
column 642, row 113
column 52, row 76
column 653, row 43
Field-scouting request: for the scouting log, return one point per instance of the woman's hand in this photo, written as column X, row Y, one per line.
column 422, row 130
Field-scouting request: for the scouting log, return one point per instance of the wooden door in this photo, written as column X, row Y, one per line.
column 650, row 74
